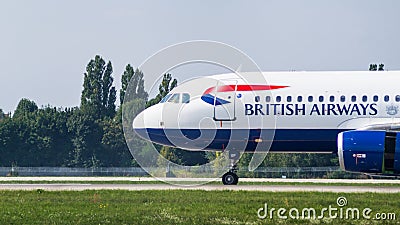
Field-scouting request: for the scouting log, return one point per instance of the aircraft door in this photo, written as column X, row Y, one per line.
column 224, row 102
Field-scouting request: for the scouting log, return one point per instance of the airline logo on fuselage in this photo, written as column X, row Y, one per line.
column 321, row 109
column 211, row 99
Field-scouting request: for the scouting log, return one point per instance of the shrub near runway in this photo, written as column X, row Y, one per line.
column 175, row 206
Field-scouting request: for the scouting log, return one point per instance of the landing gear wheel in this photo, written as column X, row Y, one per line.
column 230, row 178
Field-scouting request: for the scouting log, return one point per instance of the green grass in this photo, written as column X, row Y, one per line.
column 176, row 206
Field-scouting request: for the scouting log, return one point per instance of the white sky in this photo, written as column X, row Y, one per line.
column 45, row 45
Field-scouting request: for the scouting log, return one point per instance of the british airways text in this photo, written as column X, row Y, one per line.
column 314, row 109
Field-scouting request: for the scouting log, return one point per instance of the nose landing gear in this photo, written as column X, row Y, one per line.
column 231, row 178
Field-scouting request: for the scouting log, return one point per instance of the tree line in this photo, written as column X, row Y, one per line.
column 91, row 134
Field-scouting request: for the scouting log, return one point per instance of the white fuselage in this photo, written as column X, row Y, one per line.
column 307, row 109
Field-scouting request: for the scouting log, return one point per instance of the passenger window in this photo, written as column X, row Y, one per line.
column 310, row 98
column 397, row 98
column 165, row 98
column 342, row 98
column 268, row 98
column 174, row 98
column 353, row 98
column 364, row 98
column 386, row 98
column 185, row 98
column 257, row 98
column 289, row 98
column 278, row 98
column 299, row 98
column 375, row 98
column 321, row 98
column 332, row 98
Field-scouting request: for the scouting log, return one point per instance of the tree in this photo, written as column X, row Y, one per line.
column 167, row 84
column 136, row 93
column 34, row 137
column 83, row 123
column 381, row 67
column 114, row 143
column 86, row 123
column 170, row 154
column 133, row 101
column 98, row 95
column 1, row 114
column 24, row 108
column 86, row 139
column 52, row 136
column 135, row 78
column 8, row 142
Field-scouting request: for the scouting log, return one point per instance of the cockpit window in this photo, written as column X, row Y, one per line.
column 165, row 98
column 174, row 98
column 185, row 98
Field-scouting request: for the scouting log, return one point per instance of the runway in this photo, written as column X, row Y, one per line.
column 141, row 187
column 327, row 185
column 242, row 180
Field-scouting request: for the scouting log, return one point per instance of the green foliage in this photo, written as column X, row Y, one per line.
column 133, row 101
column 1, row 114
column 299, row 160
column 167, row 84
column 135, row 79
column 88, row 136
column 34, row 137
column 98, row 96
column 97, row 135
column 169, row 154
column 115, row 148
column 24, row 108
column 136, row 97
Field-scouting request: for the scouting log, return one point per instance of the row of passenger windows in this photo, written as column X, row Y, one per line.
column 331, row 98
column 176, row 98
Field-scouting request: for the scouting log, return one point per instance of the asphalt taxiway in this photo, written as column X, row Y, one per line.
column 141, row 187
column 326, row 185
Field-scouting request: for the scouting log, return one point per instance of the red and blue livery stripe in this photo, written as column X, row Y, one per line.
column 211, row 99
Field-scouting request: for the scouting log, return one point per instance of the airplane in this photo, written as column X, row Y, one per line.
column 354, row 114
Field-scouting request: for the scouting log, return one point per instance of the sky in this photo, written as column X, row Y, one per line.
column 46, row 45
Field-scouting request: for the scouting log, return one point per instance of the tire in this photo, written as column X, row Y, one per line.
column 236, row 179
column 230, row 178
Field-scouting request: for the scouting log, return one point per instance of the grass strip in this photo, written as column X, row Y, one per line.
column 181, row 207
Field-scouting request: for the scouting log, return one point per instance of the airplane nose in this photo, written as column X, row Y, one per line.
column 138, row 122
column 147, row 122
column 138, row 126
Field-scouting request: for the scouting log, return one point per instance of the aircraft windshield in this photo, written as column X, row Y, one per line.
column 185, row 98
column 165, row 98
column 176, row 98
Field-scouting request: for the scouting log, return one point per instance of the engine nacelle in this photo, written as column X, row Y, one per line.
column 369, row 151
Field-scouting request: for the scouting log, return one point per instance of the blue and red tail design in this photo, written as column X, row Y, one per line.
column 211, row 99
